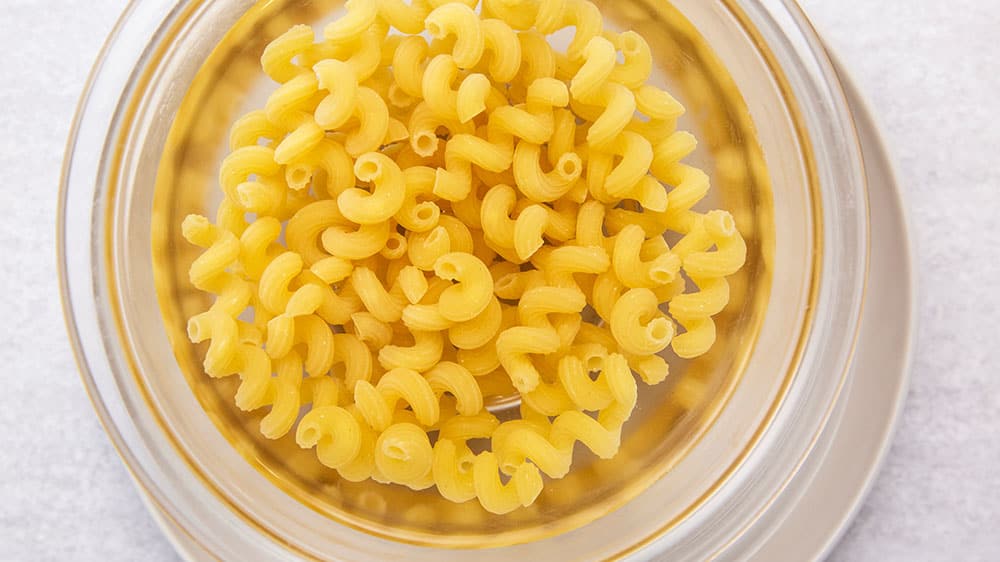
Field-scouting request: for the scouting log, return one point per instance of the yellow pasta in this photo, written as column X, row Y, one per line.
column 377, row 403
column 278, row 60
column 364, row 241
column 407, row 17
column 360, row 16
column 408, row 64
column 386, row 197
column 632, row 270
column 289, row 105
column 286, row 397
column 370, row 330
column 339, row 437
column 638, row 61
column 414, row 229
column 424, row 248
column 637, row 324
column 542, row 186
column 561, row 265
column 537, row 58
column 403, row 455
column 422, row 355
column 500, row 40
column 467, row 210
column 478, row 331
column 564, row 304
column 560, row 224
column 251, row 128
column 328, row 157
column 413, row 284
column 473, row 288
column 373, row 117
column 339, row 79
column 454, row 181
column 436, row 87
column 385, row 305
column 416, row 214
column 460, row 21
column 516, row 239
column 511, row 13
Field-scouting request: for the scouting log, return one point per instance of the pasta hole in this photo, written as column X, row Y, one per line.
column 630, row 44
column 465, row 466
column 435, row 237
column 661, row 276
column 308, row 435
column 367, row 169
column 727, row 224
column 398, row 97
column 503, row 284
column 569, row 165
column 393, row 242
column 425, row 213
column 425, row 143
column 396, row 452
column 446, row 269
column 298, row 176
column 434, row 29
column 659, row 329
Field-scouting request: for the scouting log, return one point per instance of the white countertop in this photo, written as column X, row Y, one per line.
column 932, row 72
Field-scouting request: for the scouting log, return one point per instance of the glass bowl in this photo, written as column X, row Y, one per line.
column 705, row 456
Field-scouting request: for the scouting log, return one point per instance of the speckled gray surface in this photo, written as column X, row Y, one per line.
column 932, row 72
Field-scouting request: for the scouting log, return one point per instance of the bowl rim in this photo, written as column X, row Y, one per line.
column 71, row 313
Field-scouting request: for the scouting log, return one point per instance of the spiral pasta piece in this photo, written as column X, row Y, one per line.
column 517, row 239
column 377, row 403
column 496, row 497
column 575, row 389
column 277, row 61
column 501, row 42
column 460, row 21
column 339, row 79
column 632, row 270
column 454, row 181
column 422, row 355
column 286, row 397
column 637, row 324
column 473, row 290
column 385, row 199
column 251, row 128
column 407, row 17
column 360, row 17
column 541, row 186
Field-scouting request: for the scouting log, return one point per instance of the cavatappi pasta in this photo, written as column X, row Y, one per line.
column 436, row 208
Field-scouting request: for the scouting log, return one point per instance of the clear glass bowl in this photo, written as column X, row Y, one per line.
column 706, row 455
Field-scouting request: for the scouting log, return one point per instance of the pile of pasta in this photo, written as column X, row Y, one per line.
column 437, row 210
